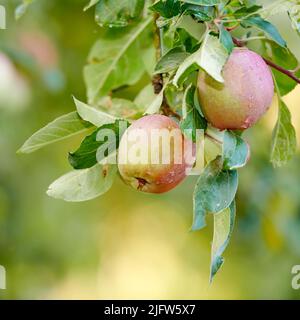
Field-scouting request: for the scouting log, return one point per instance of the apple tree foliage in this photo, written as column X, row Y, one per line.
column 171, row 40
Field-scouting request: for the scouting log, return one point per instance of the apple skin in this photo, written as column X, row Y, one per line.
column 245, row 95
column 154, row 178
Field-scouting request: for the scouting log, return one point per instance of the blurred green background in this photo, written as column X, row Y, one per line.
column 124, row 244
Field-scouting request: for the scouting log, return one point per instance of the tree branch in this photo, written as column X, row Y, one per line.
column 290, row 74
column 158, row 79
column 282, row 70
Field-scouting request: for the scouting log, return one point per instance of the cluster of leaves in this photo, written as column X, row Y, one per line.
column 189, row 35
column 216, row 189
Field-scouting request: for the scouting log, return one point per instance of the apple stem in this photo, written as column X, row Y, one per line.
column 290, row 74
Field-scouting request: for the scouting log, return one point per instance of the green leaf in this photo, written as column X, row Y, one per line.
column 226, row 39
column 115, row 62
column 212, row 148
column 88, row 154
column 174, row 97
column 283, row 57
column 223, row 228
column 155, row 105
column 120, row 108
column 208, row 3
column 199, row 13
column 214, row 192
column 171, row 60
column 149, row 59
column 97, row 117
column 173, row 10
column 235, row 151
column 192, row 27
column 192, row 120
column 211, row 57
column 266, row 27
column 83, row 185
column 60, row 129
column 240, row 13
column 284, row 142
column 167, row 8
column 146, row 96
column 90, row 4
column 197, row 104
column 116, row 13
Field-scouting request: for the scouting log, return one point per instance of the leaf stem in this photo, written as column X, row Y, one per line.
column 231, row 20
column 296, row 69
column 290, row 74
column 255, row 38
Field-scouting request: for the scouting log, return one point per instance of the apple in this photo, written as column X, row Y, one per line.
column 142, row 155
column 245, row 95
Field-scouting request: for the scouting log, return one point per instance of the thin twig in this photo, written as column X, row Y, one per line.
column 238, row 42
column 231, row 20
column 290, row 74
column 232, row 28
column 282, row 70
column 158, row 79
column 254, row 38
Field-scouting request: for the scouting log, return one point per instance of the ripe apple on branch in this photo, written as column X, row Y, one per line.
column 212, row 66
